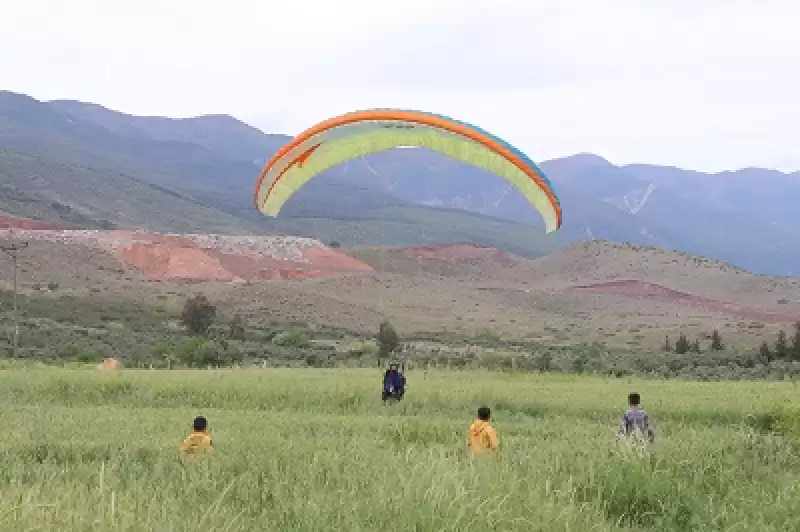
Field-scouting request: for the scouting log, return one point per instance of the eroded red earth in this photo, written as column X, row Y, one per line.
column 461, row 253
column 203, row 257
column 643, row 289
column 21, row 223
column 241, row 258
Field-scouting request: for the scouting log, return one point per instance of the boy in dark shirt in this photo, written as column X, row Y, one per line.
column 636, row 423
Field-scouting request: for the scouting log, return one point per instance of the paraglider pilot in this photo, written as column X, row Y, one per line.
column 394, row 383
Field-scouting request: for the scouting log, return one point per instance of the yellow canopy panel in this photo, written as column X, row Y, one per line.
column 353, row 135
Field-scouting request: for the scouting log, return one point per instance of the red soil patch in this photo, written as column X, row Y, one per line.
column 169, row 240
column 162, row 259
column 168, row 262
column 335, row 260
column 462, row 253
column 642, row 289
column 210, row 257
column 7, row 222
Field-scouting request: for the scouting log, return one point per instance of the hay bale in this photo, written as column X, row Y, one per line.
column 109, row 364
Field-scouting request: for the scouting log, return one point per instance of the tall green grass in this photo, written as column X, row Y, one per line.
column 316, row 450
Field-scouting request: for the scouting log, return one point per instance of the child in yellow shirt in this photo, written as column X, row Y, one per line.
column 198, row 442
column 482, row 437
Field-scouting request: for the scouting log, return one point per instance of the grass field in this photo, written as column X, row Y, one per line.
column 310, row 449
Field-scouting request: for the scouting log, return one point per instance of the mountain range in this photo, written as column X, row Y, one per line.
column 83, row 165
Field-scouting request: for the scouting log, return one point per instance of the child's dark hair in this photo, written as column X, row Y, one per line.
column 634, row 399
column 484, row 413
column 200, row 423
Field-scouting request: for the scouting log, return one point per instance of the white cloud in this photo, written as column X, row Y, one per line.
column 709, row 85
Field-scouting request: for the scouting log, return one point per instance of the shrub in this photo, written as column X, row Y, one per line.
column 297, row 338
column 366, row 349
column 682, row 345
column 387, row 339
column 716, row 341
column 781, row 346
column 199, row 353
column 198, row 315
column 488, row 336
column 236, row 329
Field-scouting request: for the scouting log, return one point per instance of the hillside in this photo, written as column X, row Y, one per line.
column 747, row 217
column 197, row 175
column 621, row 295
column 88, row 167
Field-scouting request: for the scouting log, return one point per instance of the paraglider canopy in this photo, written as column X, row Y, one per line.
column 360, row 133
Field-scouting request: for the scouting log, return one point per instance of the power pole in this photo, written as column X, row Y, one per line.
column 13, row 250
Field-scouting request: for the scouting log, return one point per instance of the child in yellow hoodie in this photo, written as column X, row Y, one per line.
column 198, row 442
column 481, row 437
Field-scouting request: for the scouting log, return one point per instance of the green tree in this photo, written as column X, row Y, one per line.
column 544, row 361
column 795, row 348
column 236, row 329
column 198, row 315
column 764, row 354
column 297, row 338
column 716, row 341
column 579, row 362
column 162, row 351
column 199, row 353
column 195, row 352
column 781, row 346
column 387, row 339
column 682, row 345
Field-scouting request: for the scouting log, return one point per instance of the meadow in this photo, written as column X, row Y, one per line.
column 315, row 449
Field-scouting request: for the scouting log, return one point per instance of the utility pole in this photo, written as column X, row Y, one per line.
column 13, row 250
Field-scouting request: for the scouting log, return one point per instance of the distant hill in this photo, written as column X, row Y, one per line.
column 621, row 295
column 90, row 166
column 82, row 165
column 746, row 217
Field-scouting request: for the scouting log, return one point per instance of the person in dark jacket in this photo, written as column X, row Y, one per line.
column 394, row 383
column 635, row 422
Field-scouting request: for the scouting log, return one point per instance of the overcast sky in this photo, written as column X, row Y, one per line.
column 702, row 84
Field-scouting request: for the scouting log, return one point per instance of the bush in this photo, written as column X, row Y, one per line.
column 91, row 355
column 387, row 339
column 297, row 338
column 366, row 349
column 198, row 315
column 236, row 329
column 488, row 336
column 200, row 353
column 682, row 345
column 778, row 420
column 716, row 341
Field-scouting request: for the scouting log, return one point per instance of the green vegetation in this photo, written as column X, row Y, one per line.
column 309, row 450
column 198, row 315
column 388, row 341
column 63, row 329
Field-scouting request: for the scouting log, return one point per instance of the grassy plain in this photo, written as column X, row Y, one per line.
column 312, row 449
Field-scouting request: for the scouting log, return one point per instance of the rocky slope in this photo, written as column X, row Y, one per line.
column 206, row 257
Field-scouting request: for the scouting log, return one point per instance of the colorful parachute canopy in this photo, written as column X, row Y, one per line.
column 359, row 133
